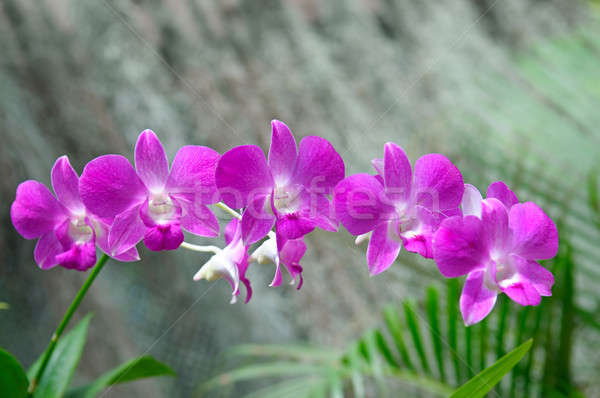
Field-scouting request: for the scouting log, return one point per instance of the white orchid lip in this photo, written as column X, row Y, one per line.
column 160, row 207
column 79, row 231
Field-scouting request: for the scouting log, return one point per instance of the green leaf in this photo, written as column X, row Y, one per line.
column 483, row 382
column 394, row 325
column 452, row 300
column 63, row 362
column 13, row 380
column 138, row 368
column 436, row 333
column 4, row 306
column 413, row 327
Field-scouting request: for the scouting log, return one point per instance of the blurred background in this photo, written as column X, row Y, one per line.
column 508, row 89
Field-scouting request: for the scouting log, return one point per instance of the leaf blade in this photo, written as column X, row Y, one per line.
column 13, row 380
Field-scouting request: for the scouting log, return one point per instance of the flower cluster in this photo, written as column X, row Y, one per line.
column 496, row 242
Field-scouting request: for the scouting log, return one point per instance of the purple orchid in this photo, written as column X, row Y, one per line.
column 152, row 202
column 230, row 263
column 397, row 206
column 281, row 251
column 67, row 232
column 497, row 244
column 289, row 189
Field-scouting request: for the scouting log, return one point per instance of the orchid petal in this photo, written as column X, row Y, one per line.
column 196, row 217
column 319, row 167
column 535, row 274
column 126, row 231
column 293, row 225
column 535, row 236
column 243, row 175
column 438, row 183
column 476, row 300
column 46, row 250
column 494, row 218
column 163, row 237
column 283, row 153
column 382, row 250
column 80, row 257
column 471, row 201
column 397, row 173
column 65, row 183
column 151, row 161
column 35, row 211
column 500, row 191
column 361, row 204
column 457, row 246
column 256, row 222
column 109, row 185
column 193, row 171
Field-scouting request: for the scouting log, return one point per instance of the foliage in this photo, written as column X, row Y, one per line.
column 55, row 381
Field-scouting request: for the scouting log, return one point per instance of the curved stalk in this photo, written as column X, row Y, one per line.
column 63, row 324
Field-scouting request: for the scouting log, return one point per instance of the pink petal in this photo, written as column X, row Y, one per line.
column 196, row 217
column 322, row 212
column 109, row 185
column 494, row 217
column 277, row 277
column 471, row 201
column 193, row 171
column 500, row 191
column 243, row 175
column 458, row 247
column 101, row 230
column 35, row 211
column 46, row 250
column 378, row 165
column 126, row 231
column 476, row 300
column 293, row 225
column 438, row 183
column 319, row 167
column 163, row 237
column 361, row 204
column 290, row 255
column 65, row 183
column 80, row 257
column 518, row 287
column 397, row 173
column 233, row 231
column 535, row 274
column 151, row 161
column 283, row 153
column 534, row 234
column 256, row 222
column 382, row 250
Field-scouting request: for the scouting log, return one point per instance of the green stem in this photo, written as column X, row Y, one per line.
column 63, row 324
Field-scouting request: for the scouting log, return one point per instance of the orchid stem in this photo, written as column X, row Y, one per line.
column 229, row 210
column 198, row 248
column 63, row 324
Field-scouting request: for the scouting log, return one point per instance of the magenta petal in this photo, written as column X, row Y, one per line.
column 476, row 300
column 243, row 175
column 151, row 161
column 80, row 257
column 494, row 217
column 200, row 222
column 277, row 277
column 129, row 255
column 520, row 289
column 256, row 222
column 163, row 237
column 46, row 250
column 193, row 171
column 322, row 212
column 457, row 246
column 232, row 231
column 109, row 185
column 35, row 211
column 65, row 183
column 283, row 153
column 535, row 274
column 534, row 234
column 378, row 165
column 500, row 191
column 438, row 183
column 382, row 250
column 293, row 225
column 101, row 230
column 361, row 204
column 319, row 167
column 397, row 173
column 126, row 231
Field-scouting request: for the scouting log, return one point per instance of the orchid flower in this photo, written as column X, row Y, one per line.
column 152, row 202
column 289, row 190
column 397, row 206
column 281, row 251
column 230, row 262
column 67, row 232
column 497, row 244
